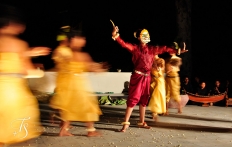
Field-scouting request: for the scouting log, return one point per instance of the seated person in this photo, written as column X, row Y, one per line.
column 186, row 86
column 217, row 89
column 126, row 87
column 202, row 90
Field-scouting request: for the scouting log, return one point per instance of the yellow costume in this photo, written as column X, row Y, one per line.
column 19, row 112
column 73, row 95
column 157, row 102
column 172, row 79
column 61, row 55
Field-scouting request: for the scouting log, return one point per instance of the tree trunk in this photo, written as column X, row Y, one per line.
column 183, row 10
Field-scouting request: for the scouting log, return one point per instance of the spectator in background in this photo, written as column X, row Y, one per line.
column 202, row 90
column 186, row 86
column 217, row 89
column 126, row 88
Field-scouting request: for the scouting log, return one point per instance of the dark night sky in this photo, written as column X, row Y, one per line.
column 211, row 30
column 211, row 41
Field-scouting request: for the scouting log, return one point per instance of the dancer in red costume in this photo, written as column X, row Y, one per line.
column 142, row 57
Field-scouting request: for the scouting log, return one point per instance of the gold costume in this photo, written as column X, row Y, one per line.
column 173, row 80
column 19, row 112
column 73, row 95
column 61, row 55
column 157, row 102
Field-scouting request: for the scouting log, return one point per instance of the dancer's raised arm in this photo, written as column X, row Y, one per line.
column 116, row 37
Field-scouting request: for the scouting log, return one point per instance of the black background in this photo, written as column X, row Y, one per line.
column 211, row 30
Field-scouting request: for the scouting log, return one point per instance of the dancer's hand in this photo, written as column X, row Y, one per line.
column 115, row 31
column 105, row 65
column 184, row 48
column 97, row 67
column 39, row 51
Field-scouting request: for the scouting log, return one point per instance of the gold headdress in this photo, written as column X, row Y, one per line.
column 64, row 31
column 144, row 31
column 140, row 31
column 65, row 28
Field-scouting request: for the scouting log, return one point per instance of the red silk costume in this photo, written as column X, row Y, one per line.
column 142, row 58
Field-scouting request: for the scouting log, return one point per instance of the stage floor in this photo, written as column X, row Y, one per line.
column 196, row 127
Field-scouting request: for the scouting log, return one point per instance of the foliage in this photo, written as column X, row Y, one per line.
column 107, row 100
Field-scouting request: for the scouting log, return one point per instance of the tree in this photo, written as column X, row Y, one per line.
column 183, row 10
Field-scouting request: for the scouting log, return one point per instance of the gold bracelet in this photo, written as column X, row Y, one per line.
column 179, row 51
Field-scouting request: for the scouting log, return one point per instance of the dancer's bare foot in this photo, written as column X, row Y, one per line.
column 64, row 132
column 180, row 111
column 65, row 128
column 143, row 125
column 155, row 117
column 166, row 113
column 125, row 126
column 94, row 134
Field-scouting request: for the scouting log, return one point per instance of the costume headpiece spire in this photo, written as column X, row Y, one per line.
column 65, row 29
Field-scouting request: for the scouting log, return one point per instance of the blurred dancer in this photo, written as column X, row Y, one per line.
column 19, row 111
column 74, row 97
column 173, row 81
column 61, row 54
column 139, row 88
column 157, row 103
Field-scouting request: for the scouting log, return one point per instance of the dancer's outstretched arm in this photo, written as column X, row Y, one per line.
column 162, row 49
column 37, row 51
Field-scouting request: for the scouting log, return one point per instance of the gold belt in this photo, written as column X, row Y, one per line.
column 155, row 76
column 139, row 72
column 171, row 76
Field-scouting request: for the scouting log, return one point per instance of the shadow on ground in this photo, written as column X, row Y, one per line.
column 113, row 116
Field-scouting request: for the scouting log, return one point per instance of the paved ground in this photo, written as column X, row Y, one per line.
column 196, row 127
